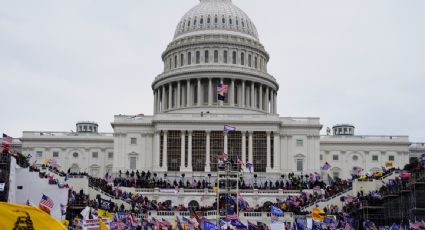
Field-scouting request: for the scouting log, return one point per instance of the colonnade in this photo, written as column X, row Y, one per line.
column 203, row 92
column 186, row 163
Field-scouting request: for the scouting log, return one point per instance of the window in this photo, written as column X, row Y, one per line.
column 39, row 154
column 75, row 155
column 216, row 20
column 230, row 21
column 110, row 155
column 181, row 59
column 188, row 23
column 207, row 56
column 335, row 157
column 321, row 157
column 242, row 58
column 234, row 57
column 189, row 58
column 194, row 22
column 300, row 143
column 375, row 158
column 215, row 56
column 133, row 163
column 300, row 165
column 243, row 24
column 133, row 141
column 255, row 62
column 209, row 20
column 55, row 154
column 225, row 56
column 223, row 20
column 202, row 21
column 94, row 154
column 94, row 172
column 391, row 158
column 355, row 158
column 249, row 60
column 237, row 22
column 198, row 57
column 175, row 61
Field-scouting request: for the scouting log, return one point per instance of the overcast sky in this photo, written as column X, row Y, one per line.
column 359, row 62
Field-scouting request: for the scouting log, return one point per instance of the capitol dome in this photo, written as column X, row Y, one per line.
column 216, row 16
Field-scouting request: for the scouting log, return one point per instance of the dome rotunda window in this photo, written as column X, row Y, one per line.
column 75, row 154
column 223, row 20
column 209, row 20
column 201, row 21
column 355, row 158
column 230, row 21
column 216, row 20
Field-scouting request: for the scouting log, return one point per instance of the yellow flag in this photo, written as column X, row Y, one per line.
column 104, row 214
column 103, row 225
column 13, row 215
column 318, row 214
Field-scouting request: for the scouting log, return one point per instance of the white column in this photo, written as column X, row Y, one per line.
column 188, row 93
column 199, row 93
column 260, row 92
column 225, row 143
column 164, row 104
column 157, row 148
column 189, row 151
column 271, row 102
column 182, row 148
column 276, row 152
column 170, row 96
column 243, row 146
column 243, row 94
column 232, row 92
column 207, row 155
column 210, row 91
column 165, row 152
column 155, row 103
column 178, row 94
column 252, row 96
column 274, row 103
column 267, row 100
column 268, row 167
column 250, row 148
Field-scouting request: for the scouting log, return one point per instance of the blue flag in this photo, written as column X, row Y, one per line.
column 209, row 226
column 238, row 224
column 300, row 224
column 277, row 211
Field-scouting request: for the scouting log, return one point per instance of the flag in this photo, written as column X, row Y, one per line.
column 394, row 227
column 228, row 128
column 2, row 185
column 221, row 90
column 357, row 170
column 250, row 167
column 277, row 211
column 252, row 226
column 318, row 214
column 300, row 224
column 239, row 161
column 223, row 156
column 104, row 214
column 179, row 223
column 46, row 204
column 102, row 225
column 132, row 219
column 6, row 142
column 237, row 224
column 207, row 225
column 326, row 166
column 26, row 217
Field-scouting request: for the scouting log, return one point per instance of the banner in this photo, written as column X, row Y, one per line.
column 2, row 185
column 104, row 214
column 26, row 217
column 105, row 204
column 94, row 224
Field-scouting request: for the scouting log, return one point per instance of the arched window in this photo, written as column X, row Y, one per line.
column 188, row 24
column 207, row 56
column 75, row 155
column 237, row 22
column 255, row 62
column 242, row 58
column 198, row 57
column 189, row 58
column 194, row 22
column 193, row 204
column 74, row 169
column 175, row 61
column 215, row 56
column 230, row 21
column 223, row 20
column 216, row 20
column 181, row 59
column 225, row 56
column 243, row 24
column 209, row 20
column 234, row 57
column 249, row 60
column 201, row 21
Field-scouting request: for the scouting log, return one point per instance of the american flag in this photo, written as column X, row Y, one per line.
column 131, row 219
column 347, row 226
column 46, row 202
column 222, row 88
column 6, row 142
column 223, row 156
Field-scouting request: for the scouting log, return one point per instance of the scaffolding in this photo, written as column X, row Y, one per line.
column 4, row 175
column 228, row 177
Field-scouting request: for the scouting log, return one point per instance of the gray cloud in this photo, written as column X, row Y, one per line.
column 361, row 62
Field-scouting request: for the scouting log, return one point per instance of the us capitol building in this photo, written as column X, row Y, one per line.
column 215, row 42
